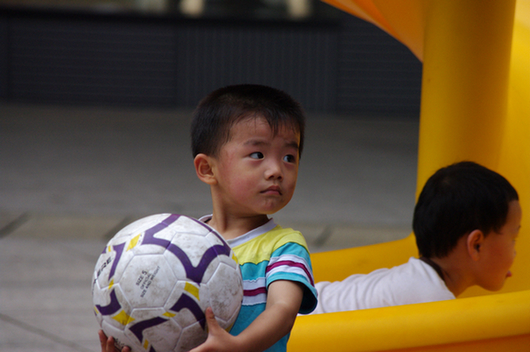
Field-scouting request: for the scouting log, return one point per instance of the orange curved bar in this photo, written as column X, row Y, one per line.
column 475, row 106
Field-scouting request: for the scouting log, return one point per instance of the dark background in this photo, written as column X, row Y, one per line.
column 332, row 62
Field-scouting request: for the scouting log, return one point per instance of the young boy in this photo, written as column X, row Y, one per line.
column 466, row 221
column 246, row 142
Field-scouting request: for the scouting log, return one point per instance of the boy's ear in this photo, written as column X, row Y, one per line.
column 204, row 169
column 474, row 244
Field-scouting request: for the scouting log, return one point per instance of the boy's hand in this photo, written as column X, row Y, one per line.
column 283, row 302
column 107, row 344
column 218, row 339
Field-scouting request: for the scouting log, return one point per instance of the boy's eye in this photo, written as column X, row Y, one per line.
column 256, row 155
column 289, row 158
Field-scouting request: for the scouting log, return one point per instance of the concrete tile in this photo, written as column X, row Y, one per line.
column 66, row 226
column 11, row 220
column 29, row 335
column 17, row 337
column 45, row 294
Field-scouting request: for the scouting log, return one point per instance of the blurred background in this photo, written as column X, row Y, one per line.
column 169, row 54
column 96, row 100
column 90, row 89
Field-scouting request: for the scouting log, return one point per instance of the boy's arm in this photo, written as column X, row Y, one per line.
column 283, row 302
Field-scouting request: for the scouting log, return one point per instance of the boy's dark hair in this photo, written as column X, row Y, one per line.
column 221, row 109
column 456, row 200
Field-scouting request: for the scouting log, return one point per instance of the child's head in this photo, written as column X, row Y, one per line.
column 220, row 110
column 246, row 142
column 457, row 200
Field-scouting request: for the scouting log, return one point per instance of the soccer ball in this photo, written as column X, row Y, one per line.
column 155, row 279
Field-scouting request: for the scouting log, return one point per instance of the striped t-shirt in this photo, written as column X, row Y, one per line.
column 266, row 254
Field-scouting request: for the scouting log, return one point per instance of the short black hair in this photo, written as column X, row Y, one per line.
column 457, row 200
column 222, row 108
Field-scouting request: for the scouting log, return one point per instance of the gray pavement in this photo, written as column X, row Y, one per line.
column 71, row 177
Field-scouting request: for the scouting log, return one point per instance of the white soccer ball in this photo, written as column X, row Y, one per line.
column 155, row 279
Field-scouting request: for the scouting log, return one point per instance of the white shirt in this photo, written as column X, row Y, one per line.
column 412, row 282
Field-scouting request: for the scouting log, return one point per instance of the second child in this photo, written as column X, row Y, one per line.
column 466, row 221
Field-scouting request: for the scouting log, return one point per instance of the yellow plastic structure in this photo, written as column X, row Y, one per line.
column 475, row 106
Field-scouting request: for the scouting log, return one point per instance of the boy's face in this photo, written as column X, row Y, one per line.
column 498, row 251
column 256, row 171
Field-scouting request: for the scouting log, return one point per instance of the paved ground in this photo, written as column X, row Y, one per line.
column 71, row 177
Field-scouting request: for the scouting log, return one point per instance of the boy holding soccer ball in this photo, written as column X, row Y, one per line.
column 246, row 142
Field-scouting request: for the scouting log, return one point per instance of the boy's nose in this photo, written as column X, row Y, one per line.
column 274, row 170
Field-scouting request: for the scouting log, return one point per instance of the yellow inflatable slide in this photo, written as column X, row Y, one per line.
column 475, row 106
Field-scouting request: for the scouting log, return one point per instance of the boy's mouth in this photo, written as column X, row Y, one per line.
column 273, row 190
column 509, row 274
